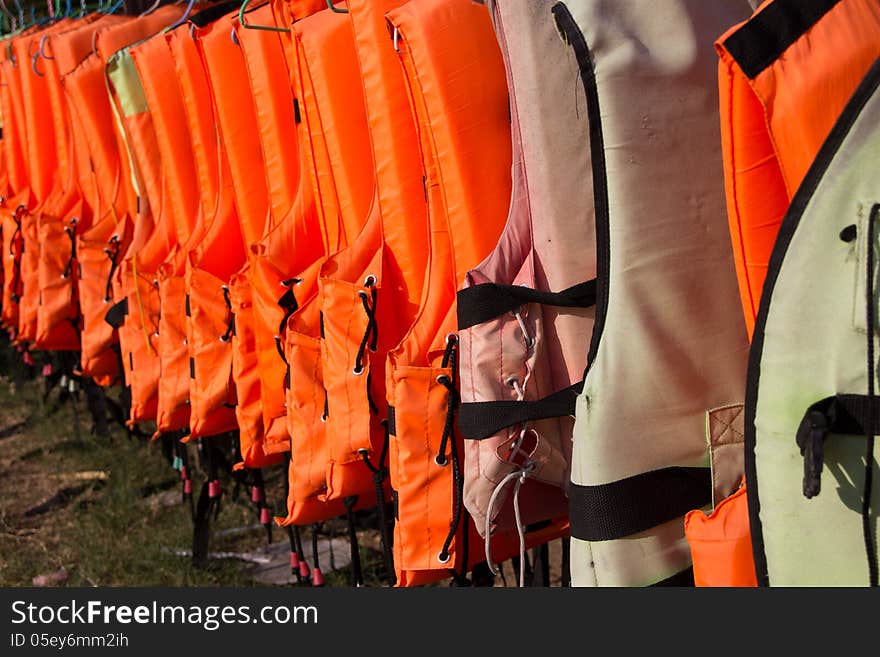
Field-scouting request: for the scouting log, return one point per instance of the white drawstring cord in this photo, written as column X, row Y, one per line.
column 520, row 475
column 520, row 530
column 529, row 340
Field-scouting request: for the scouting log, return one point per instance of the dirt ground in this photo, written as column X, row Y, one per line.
column 77, row 509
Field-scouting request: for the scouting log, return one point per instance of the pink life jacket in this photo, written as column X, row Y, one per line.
column 524, row 314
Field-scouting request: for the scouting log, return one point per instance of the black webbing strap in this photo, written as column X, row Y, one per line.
column 478, row 420
column 480, row 303
column 841, row 414
column 632, row 505
column 116, row 314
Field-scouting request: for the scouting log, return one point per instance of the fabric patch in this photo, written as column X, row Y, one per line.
column 726, row 433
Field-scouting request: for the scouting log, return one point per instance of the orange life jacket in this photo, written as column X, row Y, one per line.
column 105, row 179
column 242, row 182
column 210, row 253
column 16, row 195
column 41, row 156
column 286, row 240
column 384, row 265
column 178, row 209
column 780, row 97
column 152, row 239
column 66, row 214
column 329, row 113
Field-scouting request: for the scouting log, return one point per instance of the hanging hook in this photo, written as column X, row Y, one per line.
column 34, row 65
column 245, row 24
column 95, row 42
column 21, row 20
column 115, row 7
column 149, row 9
column 9, row 15
column 180, row 21
column 42, row 49
column 332, row 8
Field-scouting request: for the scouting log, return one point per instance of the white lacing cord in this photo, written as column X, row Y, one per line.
column 520, row 476
column 514, row 383
column 529, row 340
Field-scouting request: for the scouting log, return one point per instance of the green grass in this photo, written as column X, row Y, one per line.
column 110, row 531
column 103, row 533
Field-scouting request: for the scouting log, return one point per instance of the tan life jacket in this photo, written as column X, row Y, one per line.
column 667, row 357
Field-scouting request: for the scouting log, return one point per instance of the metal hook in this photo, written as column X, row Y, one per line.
column 42, row 49
column 245, row 24
column 149, row 9
column 115, row 7
column 395, row 37
column 180, row 21
column 13, row 24
column 334, row 9
column 34, row 65
column 21, row 20
column 234, row 36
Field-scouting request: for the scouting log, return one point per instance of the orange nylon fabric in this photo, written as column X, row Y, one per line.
column 388, row 259
column 240, row 181
column 291, row 235
column 156, row 70
column 449, row 53
column 37, row 133
column 15, row 168
column 104, row 170
column 12, row 247
column 152, row 240
column 58, row 314
column 721, row 543
column 773, row 124
column 195, row 303
column 331, row 119
column 245, row 372
column 213, row 252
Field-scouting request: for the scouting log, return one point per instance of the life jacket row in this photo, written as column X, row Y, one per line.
column 478, row 264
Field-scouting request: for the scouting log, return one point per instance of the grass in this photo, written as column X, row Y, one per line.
column 109, row 512
column 103, row 532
